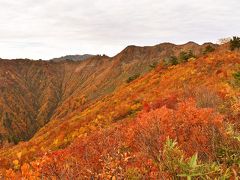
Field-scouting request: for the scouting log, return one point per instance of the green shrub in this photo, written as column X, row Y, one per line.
column 173, row 161
column 227, row 153
column 208, row 49
column 185, row 56
column 236, row 76
column 172, row 60
column 153, row 65
column 132, row 78
column 235, row 43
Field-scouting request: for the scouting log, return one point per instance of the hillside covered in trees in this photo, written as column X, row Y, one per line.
column 166, row 111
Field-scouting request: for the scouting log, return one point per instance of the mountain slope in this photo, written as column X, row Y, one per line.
column 34, row 92
column 207, row 79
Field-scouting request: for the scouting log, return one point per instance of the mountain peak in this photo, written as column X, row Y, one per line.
column 191, row 43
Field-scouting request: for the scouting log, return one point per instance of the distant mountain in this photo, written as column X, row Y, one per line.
column 73, row 57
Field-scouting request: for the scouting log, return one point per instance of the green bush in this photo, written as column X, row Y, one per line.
column 236, row 76
column 173, row 161
column 153, row 65
column 208, row 49
column 235, row 43
column 172, row 60
column 132, row 78
column 185, row 56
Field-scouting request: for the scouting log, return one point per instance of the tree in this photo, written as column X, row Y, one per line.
column 185, row 56
column 235, row 43
column 208, row 49
column 172, row 60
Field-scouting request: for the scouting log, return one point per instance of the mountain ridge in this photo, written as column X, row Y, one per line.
column 44, row 88
column 72, row 58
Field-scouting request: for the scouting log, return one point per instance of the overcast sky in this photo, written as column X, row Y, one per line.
column 51, row 28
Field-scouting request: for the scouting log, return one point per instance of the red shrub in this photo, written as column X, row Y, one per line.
column 195, row 129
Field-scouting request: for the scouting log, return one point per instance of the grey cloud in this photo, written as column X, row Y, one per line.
column 48, row 28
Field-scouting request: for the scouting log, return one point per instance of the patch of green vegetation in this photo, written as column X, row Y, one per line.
column 208, row 49
column 14, row 139
column 172, row 60
column 182, row 57
column 185, row 56
column 132, row 78
column 236, row 77
column 235, row 43
column 174, row 161
column 153, row 65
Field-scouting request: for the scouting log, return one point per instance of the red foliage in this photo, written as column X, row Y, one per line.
column 109, row 139
column 196, row 130
column 169, row 102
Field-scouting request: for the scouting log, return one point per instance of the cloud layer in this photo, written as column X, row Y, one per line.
column 50, row 28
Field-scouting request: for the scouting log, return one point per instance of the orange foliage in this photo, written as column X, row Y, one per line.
column 105, row 154
column 196, row 130
column 127, row 129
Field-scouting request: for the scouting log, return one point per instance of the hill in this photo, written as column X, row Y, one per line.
column 119, row 132
column 34, row 92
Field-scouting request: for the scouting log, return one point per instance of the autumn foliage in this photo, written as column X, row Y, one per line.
column 196, row 130
column 176, row 121
column 116, row 152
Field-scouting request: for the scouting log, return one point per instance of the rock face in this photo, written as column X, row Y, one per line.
column 32, row 93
